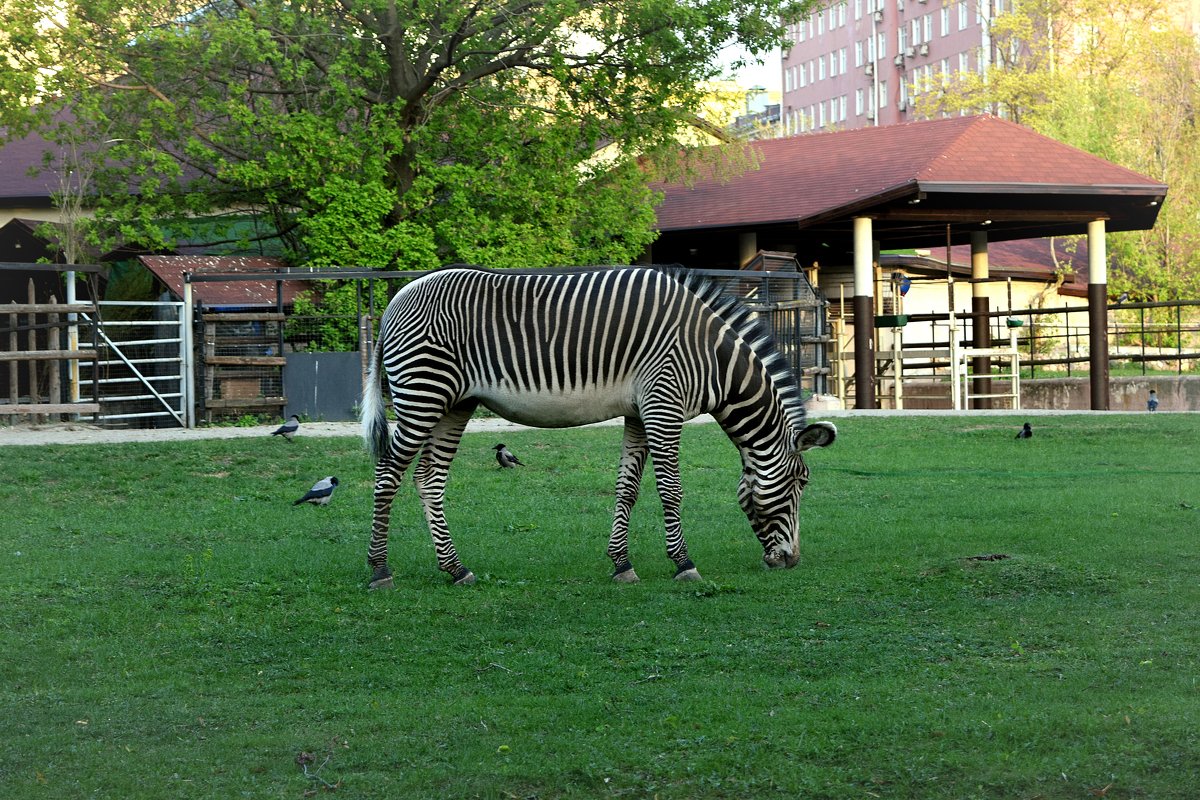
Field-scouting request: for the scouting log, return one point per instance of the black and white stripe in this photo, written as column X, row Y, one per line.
column 559, row 348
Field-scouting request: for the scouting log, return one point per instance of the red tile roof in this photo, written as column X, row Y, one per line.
column 240, row 293
column 1024, row 259
column 805, row 178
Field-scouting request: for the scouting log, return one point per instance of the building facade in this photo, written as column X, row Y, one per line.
column 857, row 63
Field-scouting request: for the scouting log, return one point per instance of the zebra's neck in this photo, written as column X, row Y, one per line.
column 753, row 410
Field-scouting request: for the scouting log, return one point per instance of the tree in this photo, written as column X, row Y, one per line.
column 1120, row 81
column 372, row 132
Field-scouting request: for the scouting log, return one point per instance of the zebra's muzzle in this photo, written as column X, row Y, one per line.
column 779, row 558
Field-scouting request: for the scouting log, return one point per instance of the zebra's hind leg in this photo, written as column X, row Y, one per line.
column 389, row 471
column 629, row 481
column 430, row 478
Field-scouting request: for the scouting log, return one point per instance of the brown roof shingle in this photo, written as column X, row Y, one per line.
column 816, row 176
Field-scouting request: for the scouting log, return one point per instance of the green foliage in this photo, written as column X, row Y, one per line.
column 327, row 319
column 370, row 133
column 1121, row 82
column 229, row 647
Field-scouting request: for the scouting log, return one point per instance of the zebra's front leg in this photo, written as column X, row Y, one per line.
column 430, row 478
column 629, row 481
column 663, row 438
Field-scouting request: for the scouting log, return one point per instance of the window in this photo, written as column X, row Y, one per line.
column 901, row 39
column 858, row 54
column 927, row 24
column 800, row 32
column 842, row 108
column 945, row 15
column 858, row 9
column 916, row 30
column 820, row 69
column 871, row 50
column 833, row 65
column 821, row 24
column 881, row 45
column 799, row 80
column 964, row 62
column 962, row 15
column 841, row 15
column 842, row 61
column 882, row 94
column 859, row 96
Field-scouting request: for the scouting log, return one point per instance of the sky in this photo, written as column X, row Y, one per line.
column 768, row 74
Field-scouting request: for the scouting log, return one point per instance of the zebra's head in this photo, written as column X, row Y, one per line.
column 770, row 496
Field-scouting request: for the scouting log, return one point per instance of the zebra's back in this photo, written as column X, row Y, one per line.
column 556, row 348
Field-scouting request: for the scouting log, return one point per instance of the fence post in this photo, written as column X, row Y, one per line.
column 187, row 353
column 54, row 386
column 73, row 393
column 1098, row 315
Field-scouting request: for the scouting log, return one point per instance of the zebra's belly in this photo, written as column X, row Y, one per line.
column 563, row 409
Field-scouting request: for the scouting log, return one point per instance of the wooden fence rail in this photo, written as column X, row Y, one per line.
column 43, row 356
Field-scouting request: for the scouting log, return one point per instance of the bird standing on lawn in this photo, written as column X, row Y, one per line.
column 288, row 429
column 505, row 457
column 1152, row 403
column 321, row 492
column 1026, row 432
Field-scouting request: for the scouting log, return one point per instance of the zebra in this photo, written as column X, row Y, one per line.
column 568, row 347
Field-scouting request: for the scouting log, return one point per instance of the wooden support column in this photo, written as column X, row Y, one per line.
column 1098, row 314
column 864, row 315
column 981, row 335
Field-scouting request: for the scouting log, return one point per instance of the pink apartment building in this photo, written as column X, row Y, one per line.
column 857, row 63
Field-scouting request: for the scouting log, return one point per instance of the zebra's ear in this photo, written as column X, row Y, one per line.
column 819, row 434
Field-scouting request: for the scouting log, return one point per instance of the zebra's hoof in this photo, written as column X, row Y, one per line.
column 466, row 579
column 688, row 575
column 382, row 579
column 628, row 576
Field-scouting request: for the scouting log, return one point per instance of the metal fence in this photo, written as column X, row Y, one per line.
column 1143, row 338
column 239, row 369
column 142, row 356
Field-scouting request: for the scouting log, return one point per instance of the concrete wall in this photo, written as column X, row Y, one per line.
column 1175, row 393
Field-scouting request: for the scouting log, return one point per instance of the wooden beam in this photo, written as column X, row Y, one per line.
column 250, row 402
column 262, row 317
column 932, row 215
column 246, row 361
column 47, row 308
column 49, row 355
column 49, row 408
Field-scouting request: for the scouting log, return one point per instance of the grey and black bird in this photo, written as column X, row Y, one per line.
column 505, row 457
column 1152, row 403
column 288, row 429
column 1026, row 432
column 321, row 492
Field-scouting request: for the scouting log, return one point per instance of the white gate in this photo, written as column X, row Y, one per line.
column 143, row 361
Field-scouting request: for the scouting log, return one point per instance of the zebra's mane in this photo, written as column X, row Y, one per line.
column 754, row 332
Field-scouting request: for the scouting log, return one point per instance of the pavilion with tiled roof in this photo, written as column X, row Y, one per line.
column 840, row 198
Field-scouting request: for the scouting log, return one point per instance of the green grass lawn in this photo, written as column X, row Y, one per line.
column 173, row 628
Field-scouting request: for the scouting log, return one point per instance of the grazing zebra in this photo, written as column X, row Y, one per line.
column 560, row 348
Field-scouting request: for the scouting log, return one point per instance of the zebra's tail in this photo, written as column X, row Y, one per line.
column 371, row 409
